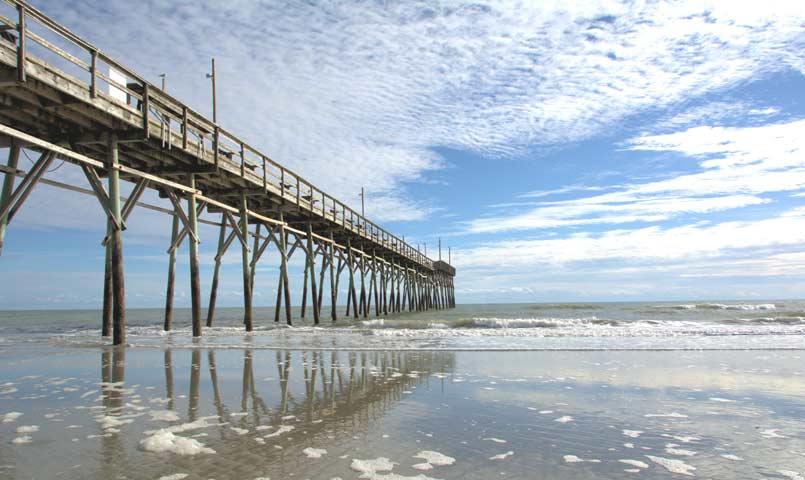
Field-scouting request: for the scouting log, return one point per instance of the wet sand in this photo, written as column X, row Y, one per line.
column 244, row 414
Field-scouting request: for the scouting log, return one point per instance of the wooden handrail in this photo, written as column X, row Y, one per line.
column 153, row 98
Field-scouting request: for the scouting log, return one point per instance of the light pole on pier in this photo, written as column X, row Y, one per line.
column 212, row 77
column 363, row 203
column 163, row 76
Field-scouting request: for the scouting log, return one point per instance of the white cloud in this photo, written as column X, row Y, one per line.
column 358, row 95
column 650, row 244
column 737, row 164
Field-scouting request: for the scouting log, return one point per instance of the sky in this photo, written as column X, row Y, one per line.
column 565, row 151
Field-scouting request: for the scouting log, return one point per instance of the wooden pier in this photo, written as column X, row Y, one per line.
column 64, row 99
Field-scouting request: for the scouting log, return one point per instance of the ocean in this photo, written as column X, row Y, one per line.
column 772, row 324
column 711, row 389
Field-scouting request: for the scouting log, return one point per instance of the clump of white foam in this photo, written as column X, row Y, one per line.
column 635, row 463
column 791, row 474
column 165, row 441
column 668, row 415
column 632, row 433
column 11, row 417
column 314, row 452
column 239, row 431
column 282, row 429
column 722, row 400
column 194, row 425
column 673, row 466
column 28, row 429
column 109, row 422
column 163, row 415
column 683, row 438
column 21, row 440
column 732, row 457
column 175, row 476
column 564, row 419
column 575, row 459
column 371, row 466
column 435, row 458
column 772, row 433
column 493, row 439
column 502, row 456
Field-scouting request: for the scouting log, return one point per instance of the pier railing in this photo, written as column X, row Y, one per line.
column 160, row 116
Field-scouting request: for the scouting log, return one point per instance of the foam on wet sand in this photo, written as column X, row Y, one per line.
column 165, row 441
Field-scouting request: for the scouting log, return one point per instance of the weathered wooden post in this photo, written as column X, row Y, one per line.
column 168, row 324
column 333, row 286
column 21, row 45
column 311, row 262
column 363, row 285
column 195, row 283
column 284, row 270
column 118, row 281
column 247, row 277
column 322, row 247
column 303, row 311
column 373, row 286
column 8, row 187
column 384, row 280
column 255, row 257
column 216, row 272
column 351, row 292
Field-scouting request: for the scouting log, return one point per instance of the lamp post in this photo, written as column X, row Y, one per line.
column 212, row 77
column 163, row 76
column 363, row 206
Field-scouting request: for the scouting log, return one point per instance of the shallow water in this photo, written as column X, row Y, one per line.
column 714, row 390
column 727, row 414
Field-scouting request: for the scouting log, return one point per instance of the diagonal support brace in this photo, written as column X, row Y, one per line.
column 183, row 216
column 24, row 189
column 243, row 240
column 100, row 193
column 131, row 202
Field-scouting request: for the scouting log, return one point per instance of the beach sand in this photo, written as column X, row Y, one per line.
column 150, row 413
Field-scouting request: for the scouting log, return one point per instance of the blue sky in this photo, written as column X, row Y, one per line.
column 566, row 152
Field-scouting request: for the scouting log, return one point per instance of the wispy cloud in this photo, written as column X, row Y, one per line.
column 651, row 244
column 716, row 113
column 736, row 165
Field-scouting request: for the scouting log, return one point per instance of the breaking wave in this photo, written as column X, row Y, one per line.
column 722, row 306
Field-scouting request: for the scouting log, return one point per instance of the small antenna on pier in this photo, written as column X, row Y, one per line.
column 440, row 249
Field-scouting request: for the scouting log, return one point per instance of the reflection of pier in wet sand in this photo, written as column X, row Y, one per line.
column 316, row 398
